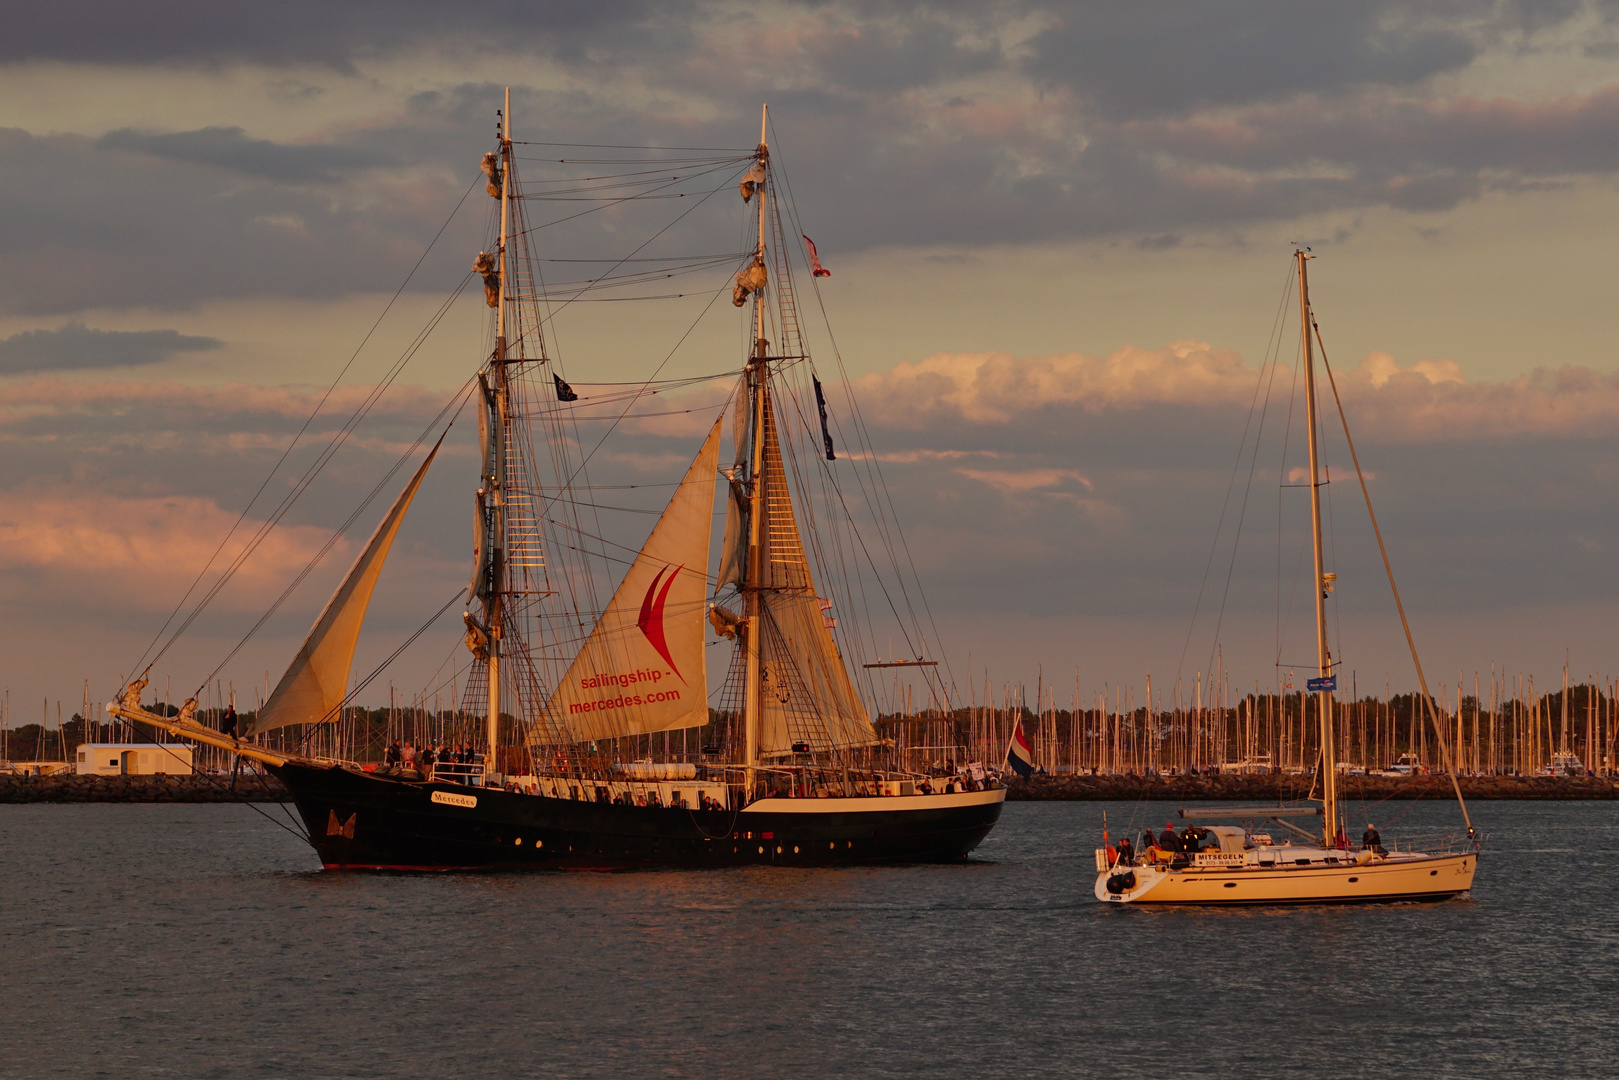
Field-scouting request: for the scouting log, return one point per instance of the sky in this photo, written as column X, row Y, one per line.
column 1061, row 238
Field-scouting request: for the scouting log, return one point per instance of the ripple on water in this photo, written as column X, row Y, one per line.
column 200, row 941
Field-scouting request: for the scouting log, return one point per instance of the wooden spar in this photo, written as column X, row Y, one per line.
column 1388, row 568
column 493, row 614
column 758, row 376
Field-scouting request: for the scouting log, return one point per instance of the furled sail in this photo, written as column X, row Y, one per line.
column 806, row 695
column 642, row 668
column 316, row 682
column 734, row 550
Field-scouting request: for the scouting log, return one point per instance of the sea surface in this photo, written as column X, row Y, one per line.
column 204, row 941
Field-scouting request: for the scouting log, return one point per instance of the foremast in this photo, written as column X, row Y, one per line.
column 489, row 586
column 1323, row 580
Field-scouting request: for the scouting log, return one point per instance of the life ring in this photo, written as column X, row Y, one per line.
column 1121, row 883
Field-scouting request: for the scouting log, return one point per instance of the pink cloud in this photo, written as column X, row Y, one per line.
column 111, row 553
column 995, row 387
column 1424, row 400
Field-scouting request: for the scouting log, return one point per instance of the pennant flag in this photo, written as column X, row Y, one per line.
column 826, row 436
column 564, row 391
column 1019, row 754
column 815, row 259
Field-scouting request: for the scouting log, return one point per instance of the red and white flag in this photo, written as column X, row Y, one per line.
column 815, row 259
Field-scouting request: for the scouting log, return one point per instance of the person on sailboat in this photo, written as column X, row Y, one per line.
column 1371, row 841
column 1167, row 840
column 227, row 723
column 1127, row 853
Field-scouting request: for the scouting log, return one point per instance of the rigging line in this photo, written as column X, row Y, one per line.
column 576, row 530
column 861, row 428
column 336, row 712
column 218, row 784
column 638, row 196
column 568, row 483
column 1287, row 435
column 688, row 380
column 1264, row 407
column 1388, row 567
column 322, row 459
column 668, row 163
column 632, row 146
column 279, row 461
column 315, row 468
column 728, row 256
column 647, row 243
column 649, row 415
column 309, row 568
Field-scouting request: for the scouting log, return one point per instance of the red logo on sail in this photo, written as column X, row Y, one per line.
column 651, row 620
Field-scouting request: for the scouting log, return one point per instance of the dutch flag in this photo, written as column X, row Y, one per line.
column 1019, row 754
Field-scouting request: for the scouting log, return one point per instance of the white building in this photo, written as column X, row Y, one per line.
column 134, row 759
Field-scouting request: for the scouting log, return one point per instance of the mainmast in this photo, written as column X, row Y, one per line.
column 1323, row 580
column 758, row 384
column 497, row 495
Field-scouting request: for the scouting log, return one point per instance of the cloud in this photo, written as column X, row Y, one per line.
column 124, row 555
column 76, row 347
column 298, row 31
column 1425, row 400
column 901, row 124
column 995, row 387
column 1133, row 61
column 230, row 148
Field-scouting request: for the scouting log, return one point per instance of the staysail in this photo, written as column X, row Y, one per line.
column 806, row 695
column 642, row 668
column 316, row 682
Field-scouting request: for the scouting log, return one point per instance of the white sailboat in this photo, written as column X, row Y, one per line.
column 1240, row 864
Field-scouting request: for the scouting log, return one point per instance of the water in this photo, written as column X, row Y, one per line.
column 201, row 941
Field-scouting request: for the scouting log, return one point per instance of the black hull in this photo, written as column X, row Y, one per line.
column 360, row 821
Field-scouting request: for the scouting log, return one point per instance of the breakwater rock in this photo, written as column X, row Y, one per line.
column 1284, row 787
column 139, row 789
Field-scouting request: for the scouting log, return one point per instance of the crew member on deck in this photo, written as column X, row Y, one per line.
column 1127, row 853
column 227, row 724
column 1371, row 841
column 1167, row 839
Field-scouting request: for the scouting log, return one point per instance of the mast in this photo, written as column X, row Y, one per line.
column 758, row 380
column 497, row 501
column 1329, row 764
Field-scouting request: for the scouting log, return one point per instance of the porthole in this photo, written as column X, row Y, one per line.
column 832, row 845
column 1231, row 884
column 1353, row 880
column 761, row 851
column 539, row 843
column 519, row 842
column 1433, row 873
column 795, row 849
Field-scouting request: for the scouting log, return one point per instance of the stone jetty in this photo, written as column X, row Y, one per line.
column 63, row 788
column 1272, row 787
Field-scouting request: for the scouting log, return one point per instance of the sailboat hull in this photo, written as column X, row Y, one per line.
column 361, row 821
column 1399, row 878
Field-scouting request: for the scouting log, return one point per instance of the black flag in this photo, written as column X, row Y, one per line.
column 564, row 391
column 826, row 436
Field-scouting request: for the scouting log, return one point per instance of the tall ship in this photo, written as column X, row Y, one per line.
column 1261, row 856
column 589, row 736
